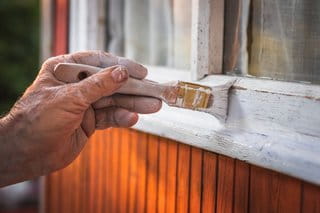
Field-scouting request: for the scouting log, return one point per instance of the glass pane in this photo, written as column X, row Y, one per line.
column 153, row 32
column 285, row 40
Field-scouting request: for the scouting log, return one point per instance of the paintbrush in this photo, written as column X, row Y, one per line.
column 213, row 100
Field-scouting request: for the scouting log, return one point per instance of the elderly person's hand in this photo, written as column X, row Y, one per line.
column 49, row 126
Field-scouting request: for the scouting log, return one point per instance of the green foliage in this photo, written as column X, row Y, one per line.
column 19, row 48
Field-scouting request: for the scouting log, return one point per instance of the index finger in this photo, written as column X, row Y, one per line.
column 98, row 59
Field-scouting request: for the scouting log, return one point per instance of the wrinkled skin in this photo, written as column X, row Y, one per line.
column 51, row 123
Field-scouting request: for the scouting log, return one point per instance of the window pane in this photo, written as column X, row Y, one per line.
column 285, row 40
column 153, row 32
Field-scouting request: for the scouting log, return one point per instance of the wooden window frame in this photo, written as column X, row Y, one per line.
column 272, row 124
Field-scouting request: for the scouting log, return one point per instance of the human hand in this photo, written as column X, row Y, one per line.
column 49, row 126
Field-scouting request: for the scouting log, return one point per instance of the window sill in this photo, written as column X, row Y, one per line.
column 271, row 124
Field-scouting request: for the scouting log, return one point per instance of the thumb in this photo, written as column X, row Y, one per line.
column 103, row 83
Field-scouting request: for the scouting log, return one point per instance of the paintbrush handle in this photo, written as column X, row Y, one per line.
column 72, row 73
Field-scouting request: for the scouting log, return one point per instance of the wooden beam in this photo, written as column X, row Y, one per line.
column 207, row 37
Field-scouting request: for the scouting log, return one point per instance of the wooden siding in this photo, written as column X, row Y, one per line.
column 123, row 170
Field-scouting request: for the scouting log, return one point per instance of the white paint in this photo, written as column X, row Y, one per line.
column 270, row 124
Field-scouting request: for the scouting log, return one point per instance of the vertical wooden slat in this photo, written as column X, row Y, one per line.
column 76, row 186
column 85, row 177
column 101, row 172
column 176, row 178
column 209, row 180
column 183, row 178
column 271, row 191
column 262, row 196
column 171, row 176
column 310, row 198
column 133, row 171
column 225, row 184
column 289, row 194
column 115, row 170
column 152, row 174
column 53, row 186
column 195, row 180
column 108, row 173
column 162, row 179
column 142, row 173
column 124, row 170
column 92, row 170
column 241, row 187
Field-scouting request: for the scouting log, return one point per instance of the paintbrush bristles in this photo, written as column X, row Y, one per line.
column 212, row 100
column 219, row 101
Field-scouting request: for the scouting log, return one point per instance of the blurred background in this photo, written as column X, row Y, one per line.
column 19, row 60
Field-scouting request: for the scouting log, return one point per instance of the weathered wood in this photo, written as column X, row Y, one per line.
column 207, row 37
column 272, row 124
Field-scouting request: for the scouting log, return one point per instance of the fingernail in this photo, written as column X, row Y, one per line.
column 120, row 74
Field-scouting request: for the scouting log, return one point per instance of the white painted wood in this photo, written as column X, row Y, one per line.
column 207, row 37
column 87, row 25
column 46, row 29
column 271, row 124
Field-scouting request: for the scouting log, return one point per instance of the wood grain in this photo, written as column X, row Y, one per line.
column 142, row 173
column 183, row 177
column 209, row 181
column 133, row 175
column 272, row 192
column 195, row 180
column 225, row 184
column 161, row 175
column 152, row 173
column 241, row 187
column 207, row 37
column 114, row 189
column 172, row 162
column 124, row 171
column 162, row 178
column 310, row 198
